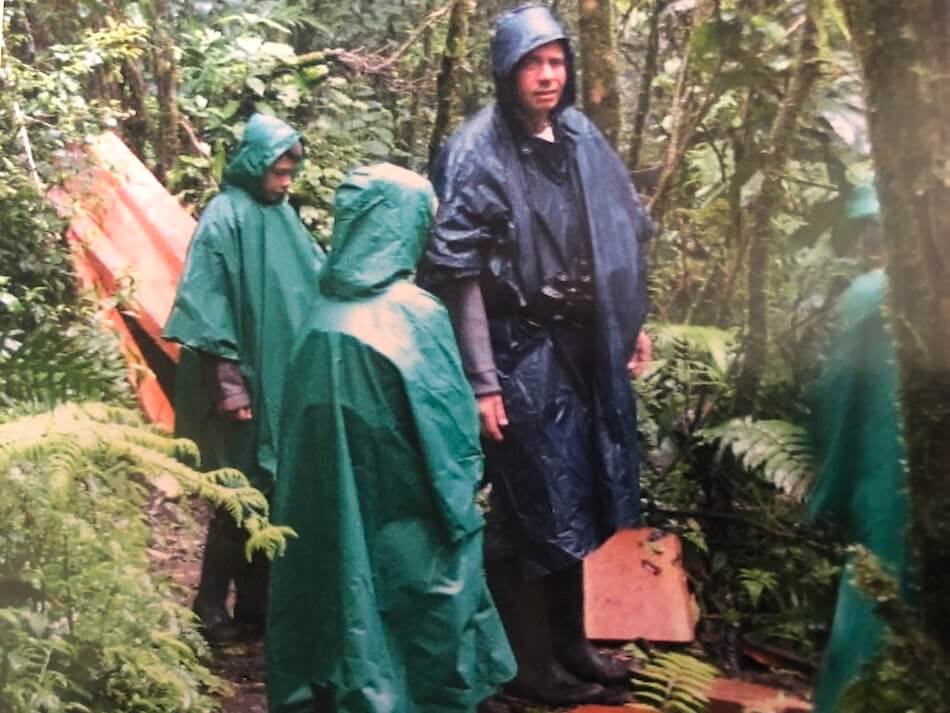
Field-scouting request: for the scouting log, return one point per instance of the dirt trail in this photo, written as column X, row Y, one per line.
column 175, row 549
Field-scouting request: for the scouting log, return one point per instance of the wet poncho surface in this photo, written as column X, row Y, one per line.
column 569, row 465
column 861, row 484
column 381, row 599
column 249, row 277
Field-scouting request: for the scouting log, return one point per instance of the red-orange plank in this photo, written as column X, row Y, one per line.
column 635, row 588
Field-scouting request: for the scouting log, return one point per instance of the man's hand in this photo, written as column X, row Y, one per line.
column 239, row 414
column 491, row 413
column 642, row 356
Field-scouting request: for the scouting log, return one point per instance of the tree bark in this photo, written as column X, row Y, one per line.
column 456, row 40
column 904, row 49
column 165, row 67
column 689, row 107
column 769, row 200
column 650, row 67
column 136, row 91
column 599, row 66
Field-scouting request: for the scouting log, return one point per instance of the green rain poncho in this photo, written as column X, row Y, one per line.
column 381, row 600
column 249, row 278
column 861, row 484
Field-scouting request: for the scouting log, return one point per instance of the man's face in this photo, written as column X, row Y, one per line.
column 278, row 177
column 539, row 80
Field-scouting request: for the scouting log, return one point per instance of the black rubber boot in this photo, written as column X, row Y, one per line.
column 523, row 611
column 223, row 556
column 565, row 598
column 250, row 606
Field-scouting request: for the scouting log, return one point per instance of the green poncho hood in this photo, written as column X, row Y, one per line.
column 381, row 598
column 382, row 215
column 265, row 139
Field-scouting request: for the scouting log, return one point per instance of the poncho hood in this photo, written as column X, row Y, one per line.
column 382, row 219
column 265, row 139
column 516, row 34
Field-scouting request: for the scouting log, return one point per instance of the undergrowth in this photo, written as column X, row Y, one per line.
column 84, row 626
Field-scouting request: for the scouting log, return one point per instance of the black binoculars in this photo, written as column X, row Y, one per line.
column 564, row 298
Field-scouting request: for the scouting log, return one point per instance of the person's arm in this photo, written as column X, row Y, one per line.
column 466, row 307
column 642, row 356
column 231, row 396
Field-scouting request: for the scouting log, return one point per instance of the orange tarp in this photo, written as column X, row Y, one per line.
column 129, row 237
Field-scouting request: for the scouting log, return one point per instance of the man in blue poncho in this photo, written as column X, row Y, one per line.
column 380, row 604
column 538, row 254
column 249, row 276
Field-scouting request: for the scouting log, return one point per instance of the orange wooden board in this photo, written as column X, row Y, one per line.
column 635, row 588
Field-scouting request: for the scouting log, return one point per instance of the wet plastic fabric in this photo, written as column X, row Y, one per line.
column 861, row 484
column 569, row 465
column 249, row 278
column 381, row 599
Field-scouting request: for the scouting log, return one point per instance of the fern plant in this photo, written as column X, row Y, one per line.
column 71, row 432
column 58, row 363
column 84, row 626
column 776, row 449
column 672, row 682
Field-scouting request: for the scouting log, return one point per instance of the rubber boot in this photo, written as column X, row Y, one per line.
column 222, row 558
column 523, row 612
column 565, row 598
column 250, row 606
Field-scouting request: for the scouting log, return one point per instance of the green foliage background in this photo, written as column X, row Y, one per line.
column 358, row 79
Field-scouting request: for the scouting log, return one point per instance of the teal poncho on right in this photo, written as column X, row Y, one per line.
column 861, row 485
column 381, row 600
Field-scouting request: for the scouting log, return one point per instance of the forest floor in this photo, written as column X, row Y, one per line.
column 175, row 549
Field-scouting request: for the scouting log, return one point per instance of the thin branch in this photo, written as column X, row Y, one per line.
column 196, row 143
column 415, row 35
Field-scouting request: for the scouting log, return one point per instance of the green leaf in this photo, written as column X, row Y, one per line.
column 256, row 85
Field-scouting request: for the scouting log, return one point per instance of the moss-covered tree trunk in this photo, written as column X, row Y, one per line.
column 904, row 48
column 767, row 203
column 599, row 66
column 456, row 41
column 644, row 95
column 165, row 67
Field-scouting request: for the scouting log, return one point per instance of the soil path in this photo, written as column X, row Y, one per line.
column 175, row 549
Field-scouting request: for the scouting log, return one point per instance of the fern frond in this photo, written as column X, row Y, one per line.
column 717, row 344
column 677, row 682
column 776, row 449
column 64, row 438
column 51, row 365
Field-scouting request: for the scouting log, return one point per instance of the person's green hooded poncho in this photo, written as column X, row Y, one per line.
column 380, row 604
column 250, row 275
column 861, row 484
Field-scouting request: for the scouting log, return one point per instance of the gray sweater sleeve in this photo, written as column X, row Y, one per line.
column 463, row 300
column 227, row 382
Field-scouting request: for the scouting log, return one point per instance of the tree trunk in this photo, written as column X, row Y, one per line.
column 650, row 67
column 905, row 52
column 689, row 107
column 409, row 131
column 136, row 124
column 456, row 40
column 769, row 201
column 599, row 66
column 167, row 141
